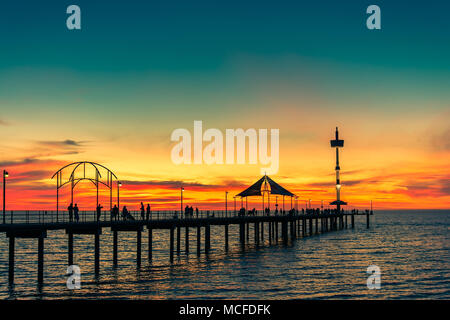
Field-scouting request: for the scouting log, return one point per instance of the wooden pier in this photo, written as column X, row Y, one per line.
column 290, row 227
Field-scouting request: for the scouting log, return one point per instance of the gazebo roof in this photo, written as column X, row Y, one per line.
column 340, row 202
column 255, row 189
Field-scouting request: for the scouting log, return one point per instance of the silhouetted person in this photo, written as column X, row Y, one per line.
column 142, row 211
column 196, row 212
column 191, row 211
column 75, row 212
column 114, row 212
column 186, row 211
column 70, row 209
column 148, row 211
column 126, row 214
column 99, row 211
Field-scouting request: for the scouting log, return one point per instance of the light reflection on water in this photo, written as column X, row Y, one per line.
column 411, row 248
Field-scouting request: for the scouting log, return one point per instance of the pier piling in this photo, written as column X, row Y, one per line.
column 207, row 238
column 150, row 244
column 115, row 248
column 262, row 232
column 97, row 253
column 138, row 248
column 284, row 231
column 11, row 260
column 70, row 248
column 226, row 237
column 186, row 240
column 199, row 243
column 178, row 239
column 41, row 260
column 171, row 245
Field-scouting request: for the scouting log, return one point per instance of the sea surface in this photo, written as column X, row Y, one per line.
column 411, row 248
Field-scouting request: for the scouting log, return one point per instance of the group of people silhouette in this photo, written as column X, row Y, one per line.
column 126, row 215
column 145, row 214
column 267, row 211
column 189, row 211
column 73, row 211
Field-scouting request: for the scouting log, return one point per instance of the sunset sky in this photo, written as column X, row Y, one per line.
column 114, row 91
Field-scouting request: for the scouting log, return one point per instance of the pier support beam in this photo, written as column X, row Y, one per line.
column 317, row 223
column 11, row 260
column 178, row 239
column 40, row 260
column 256, row 231
column 150, row 244
column 270, row 232
column 226, row 237
column 138, row 248
column 242, row 233
column 284, row 231
column 292, row 225
column 207, row 238
column 248, row 231
column 346, row 226
column 367, row 221
column 276, row 231
column 262, row 232
column 353, row 221
column 171, row 244
column 199, row 242
column 186, row 240
column 115, row 248
column 97, row 254
column 303, row 226
column 310, row 227
column 70, row 248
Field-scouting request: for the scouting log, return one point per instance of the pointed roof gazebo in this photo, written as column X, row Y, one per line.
column 263, row 186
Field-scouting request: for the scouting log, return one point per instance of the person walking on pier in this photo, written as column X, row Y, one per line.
column 99, row 211
column 148, row 211
column 196, row 211
column 70, row 209
column 114, row 213
column 142, row 211
column 75, row 212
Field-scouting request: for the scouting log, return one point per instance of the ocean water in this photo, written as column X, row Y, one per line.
column 411, row 248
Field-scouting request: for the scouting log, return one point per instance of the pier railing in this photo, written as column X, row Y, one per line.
column 48, row 216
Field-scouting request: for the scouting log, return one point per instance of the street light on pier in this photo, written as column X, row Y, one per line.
column 5, row 175
column 181, row 196
column 226, row 203
column 119, row 184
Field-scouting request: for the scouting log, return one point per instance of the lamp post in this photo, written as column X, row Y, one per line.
column 226, row 203
column 5, row 175
column 181, row 203
column 119, row 184
column 309, row 201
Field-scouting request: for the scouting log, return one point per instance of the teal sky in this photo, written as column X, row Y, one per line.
column 205, row 55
